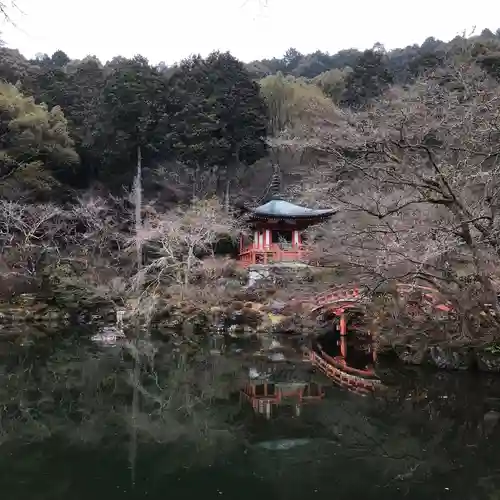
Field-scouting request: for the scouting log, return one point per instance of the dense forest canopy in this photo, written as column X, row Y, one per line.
column 402, row 144
column 205, row 117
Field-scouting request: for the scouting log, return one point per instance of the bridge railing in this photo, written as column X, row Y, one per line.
column 353, row 380
column 431, row 295
column 350, row 295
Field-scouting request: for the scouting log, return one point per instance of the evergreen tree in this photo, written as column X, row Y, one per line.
column 76, row 88
column 220, row 118
column 193, row 125
column 131, row 108
column 369, row 78
column 35, row 148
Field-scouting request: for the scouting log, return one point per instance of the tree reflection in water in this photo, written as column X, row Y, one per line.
column 65, row 419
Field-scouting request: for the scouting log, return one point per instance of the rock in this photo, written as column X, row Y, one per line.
column 25, row 299
column 250, row 317
column 492, row 416
column 277, row 356
column 276, row 319
column 490, row 421
column 414, row 355
column 187, row 329
column 460, row 358
column 276, row 306
column 488, row 361
column 275, row 345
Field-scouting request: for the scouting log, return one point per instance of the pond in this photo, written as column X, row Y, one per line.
column 155, row 420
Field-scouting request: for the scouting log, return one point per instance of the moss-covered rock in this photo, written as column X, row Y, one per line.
column 452, row 358
column 488, row 358
column 412, row 354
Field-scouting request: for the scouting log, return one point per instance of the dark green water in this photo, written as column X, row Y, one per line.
column 71, row 427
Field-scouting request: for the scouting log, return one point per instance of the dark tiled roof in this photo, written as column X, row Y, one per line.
column 281, row 208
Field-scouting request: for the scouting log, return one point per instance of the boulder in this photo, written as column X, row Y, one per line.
column 488, row 360
column 276, row 306
column 451, row 358
column 412, row 354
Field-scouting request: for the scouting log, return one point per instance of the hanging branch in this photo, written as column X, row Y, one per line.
column 5, row 10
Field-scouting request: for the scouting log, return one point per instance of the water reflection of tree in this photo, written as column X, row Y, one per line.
column 449, row 415
column 83, row 393
column 184, row 395
column 422, row 433
column 426, row 435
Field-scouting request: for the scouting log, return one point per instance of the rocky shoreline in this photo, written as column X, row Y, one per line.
column 238, row 319
column 483, row 358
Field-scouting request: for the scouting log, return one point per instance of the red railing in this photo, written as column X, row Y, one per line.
column 271, row 254
column 302, row 394
column 340, row 295
column 430, row 295
column 359, row 381
column 340, row 363
column 350, row 296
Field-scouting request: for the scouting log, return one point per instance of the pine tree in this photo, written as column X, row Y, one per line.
column 219, row 116
column 132, row 106
column 370, row 78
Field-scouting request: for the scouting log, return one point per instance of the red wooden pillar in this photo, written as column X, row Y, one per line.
column 268, row 237
column 343, row 335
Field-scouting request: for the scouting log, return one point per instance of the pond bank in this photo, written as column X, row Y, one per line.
column 238, row 318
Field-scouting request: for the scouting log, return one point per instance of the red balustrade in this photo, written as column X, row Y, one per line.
column 272, row 254
column 362, row 382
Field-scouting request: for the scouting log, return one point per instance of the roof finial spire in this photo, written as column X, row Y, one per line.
column 275, row 188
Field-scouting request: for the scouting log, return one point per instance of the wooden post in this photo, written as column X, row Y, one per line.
column 268, row 238
column 298, row 407
column 343, row 335
column 268, row 409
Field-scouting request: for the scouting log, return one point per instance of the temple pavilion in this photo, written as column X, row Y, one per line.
column 276, row 232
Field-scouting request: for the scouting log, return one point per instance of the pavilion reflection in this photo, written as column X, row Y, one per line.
column 279, row 389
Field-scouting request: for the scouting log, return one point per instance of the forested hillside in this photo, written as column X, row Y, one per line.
column 202, row 119
column 404, row 144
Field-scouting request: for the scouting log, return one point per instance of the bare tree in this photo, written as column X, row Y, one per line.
column 180, row 238
column 27, row 234
column 416, row 178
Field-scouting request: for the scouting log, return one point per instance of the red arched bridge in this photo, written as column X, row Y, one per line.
column 338, row 301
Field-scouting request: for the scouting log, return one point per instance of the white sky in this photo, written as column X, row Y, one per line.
column 169, row 30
